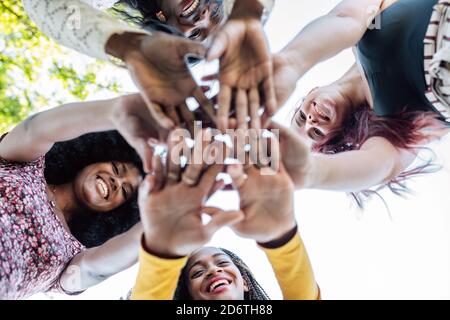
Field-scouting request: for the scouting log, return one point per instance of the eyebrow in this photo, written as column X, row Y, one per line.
column 214, row 256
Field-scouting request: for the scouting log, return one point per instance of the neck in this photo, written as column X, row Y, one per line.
column 353, row 90
column 65, row 199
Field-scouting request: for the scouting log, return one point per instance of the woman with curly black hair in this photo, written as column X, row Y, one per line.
column 67, row 200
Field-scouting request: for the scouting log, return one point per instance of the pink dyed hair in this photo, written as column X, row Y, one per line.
column 403, row 130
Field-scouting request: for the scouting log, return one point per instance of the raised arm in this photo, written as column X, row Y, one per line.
column 77, row 25
column 95, row 265
column 36, row 135
column 267, row 203
column 328, row 35
column 377, row 162
column 128, row 114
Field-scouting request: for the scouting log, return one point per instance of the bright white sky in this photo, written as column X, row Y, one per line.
column 355, row 255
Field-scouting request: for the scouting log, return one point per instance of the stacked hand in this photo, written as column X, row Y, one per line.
column 172, row 223
column 171, row 205
column 245, row 67
column 156, row 64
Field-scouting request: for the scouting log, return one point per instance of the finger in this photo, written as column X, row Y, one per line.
column 158, row 113
column 146, row 187
column 210, row 77
column 270, row 100
column 220, row 219
column 186, row 46
column 254, row 102
column 218, row 46
column 145, row 152
column 241, row 109
column 158, row 170
column 171, row 112
column 196, row 163
column 188, row 117
column 206, row 104
column 218, row 185
column 209, row 178
column 237, row 174
column 173, row 159
column 224, row 101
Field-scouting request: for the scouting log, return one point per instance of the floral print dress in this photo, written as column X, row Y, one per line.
column 35, row 248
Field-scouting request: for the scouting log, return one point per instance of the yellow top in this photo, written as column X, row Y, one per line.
column 157, row 278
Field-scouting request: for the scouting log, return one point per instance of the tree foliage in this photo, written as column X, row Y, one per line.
column 36, row 73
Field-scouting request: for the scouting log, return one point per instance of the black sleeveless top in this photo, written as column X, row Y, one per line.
column 392, row 58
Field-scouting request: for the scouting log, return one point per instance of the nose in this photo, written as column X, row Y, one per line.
column 116, row 183
column 202, row 19
column 214, row 271
column 312, row 119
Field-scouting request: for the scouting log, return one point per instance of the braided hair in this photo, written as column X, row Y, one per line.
column 255, row 292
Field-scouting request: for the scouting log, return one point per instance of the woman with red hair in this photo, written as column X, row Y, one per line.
column 366, row 127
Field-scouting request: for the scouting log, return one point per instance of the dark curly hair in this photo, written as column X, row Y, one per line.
column 256, row 292
column 66, row 159
column 144, row 13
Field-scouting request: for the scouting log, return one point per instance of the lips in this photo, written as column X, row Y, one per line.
column 189, row 7
column 218, row 285
column 102, row 187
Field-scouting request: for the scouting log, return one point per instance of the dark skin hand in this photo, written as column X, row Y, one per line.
column 162, row 76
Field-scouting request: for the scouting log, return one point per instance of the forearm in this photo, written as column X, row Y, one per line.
column 157, row 277
column 36, row 135
column 328, row 35
column 353, row 171
column 257, row 6
column 98, row 264
column 293, row 269
column 77, row 25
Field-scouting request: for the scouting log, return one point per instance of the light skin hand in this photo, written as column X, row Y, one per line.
column 266, row 200
column 296, row 154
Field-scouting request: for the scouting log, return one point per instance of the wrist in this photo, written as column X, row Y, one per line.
column 154, row 247
column 281, row 240
column 119, row 45
column 293, row 59
column 247, row 9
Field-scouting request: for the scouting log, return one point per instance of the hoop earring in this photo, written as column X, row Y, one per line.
column 161, row 17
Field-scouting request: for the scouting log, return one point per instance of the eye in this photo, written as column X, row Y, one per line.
column 115, row 169
column 315, row 134
column 125, row 193
column 196, row 274
column 223, row 263
column 195, row 34
column 301, row 118
column 318, row 132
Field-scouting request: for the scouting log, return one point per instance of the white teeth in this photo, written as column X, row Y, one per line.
column 103, row 187
column 215, row 284
column 191, row 9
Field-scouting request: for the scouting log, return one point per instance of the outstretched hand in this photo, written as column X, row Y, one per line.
column 172, row 223
column 246, row 73
column 157, row 65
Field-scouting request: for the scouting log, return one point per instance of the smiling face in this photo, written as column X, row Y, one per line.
column 212, row 275
column 105, row 186
column 323, row 110
column 194, row 18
